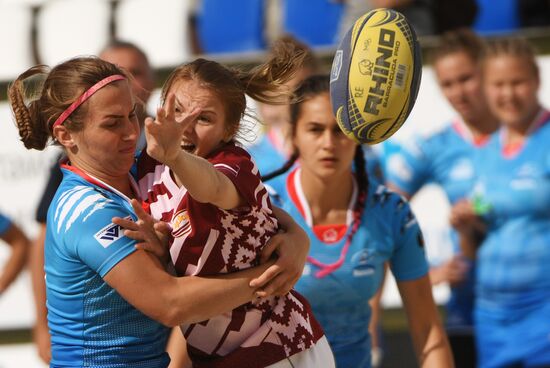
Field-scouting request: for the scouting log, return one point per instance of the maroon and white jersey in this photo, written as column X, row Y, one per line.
column 209, row 241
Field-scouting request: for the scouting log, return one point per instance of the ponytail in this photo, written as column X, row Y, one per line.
column 266, row 82
column 24, row 97
column 291, row 161
column 363, row 187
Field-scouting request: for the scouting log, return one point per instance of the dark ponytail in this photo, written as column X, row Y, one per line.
column 362, row 187
column 290, row 162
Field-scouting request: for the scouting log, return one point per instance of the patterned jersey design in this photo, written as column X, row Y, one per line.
column 388, row 232
column 91, row 325
column 209, row 241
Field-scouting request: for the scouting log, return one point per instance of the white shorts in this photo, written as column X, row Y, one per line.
column 318, row 356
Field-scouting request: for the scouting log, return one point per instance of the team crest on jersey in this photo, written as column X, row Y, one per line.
column 330, row 235
column 181, row 225
column 110, row 234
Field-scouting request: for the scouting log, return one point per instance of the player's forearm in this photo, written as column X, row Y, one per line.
column 287, row 223
column 469, row 243
column 141, row 280
column 19, row 253
column 203, row 182
column 429, row 338
column 201, row 298
column 36, row 263
column 432, row 348
column 376, row 312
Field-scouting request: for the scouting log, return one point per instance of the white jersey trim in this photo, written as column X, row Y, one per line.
column 305, row 205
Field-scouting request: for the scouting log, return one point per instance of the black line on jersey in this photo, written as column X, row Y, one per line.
column 290, row 361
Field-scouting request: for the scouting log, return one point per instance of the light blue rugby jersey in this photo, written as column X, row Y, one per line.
column 90, row 323
column 514, row 257
column 444, row 158
column 388, row 232
column 5, row 224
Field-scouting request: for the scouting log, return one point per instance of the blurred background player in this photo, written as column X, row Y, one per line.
column 273, row 149
column 508, row 215
column 355, row 226
column 445, row 157
column 131, row 58
column 14, row 237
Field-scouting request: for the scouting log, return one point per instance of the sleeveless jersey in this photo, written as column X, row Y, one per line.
column 388, row 231
column 91, row 325
column 209, row 241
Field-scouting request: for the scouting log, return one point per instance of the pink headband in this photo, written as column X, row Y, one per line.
column 86, row 95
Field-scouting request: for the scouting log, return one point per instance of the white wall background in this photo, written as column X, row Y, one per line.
column 23, row 175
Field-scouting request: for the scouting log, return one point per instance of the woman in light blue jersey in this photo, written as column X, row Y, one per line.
column 508, row 215
column 355, row 226
column 107, row 301
column 445, row 158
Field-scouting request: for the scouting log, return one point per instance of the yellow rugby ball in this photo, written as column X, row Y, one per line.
column 375, row 76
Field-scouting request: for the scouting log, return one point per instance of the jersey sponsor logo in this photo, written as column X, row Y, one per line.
column 181, row 226
column 526, row 177
column 110, row 234
column 363, row 263
column 363, row 271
